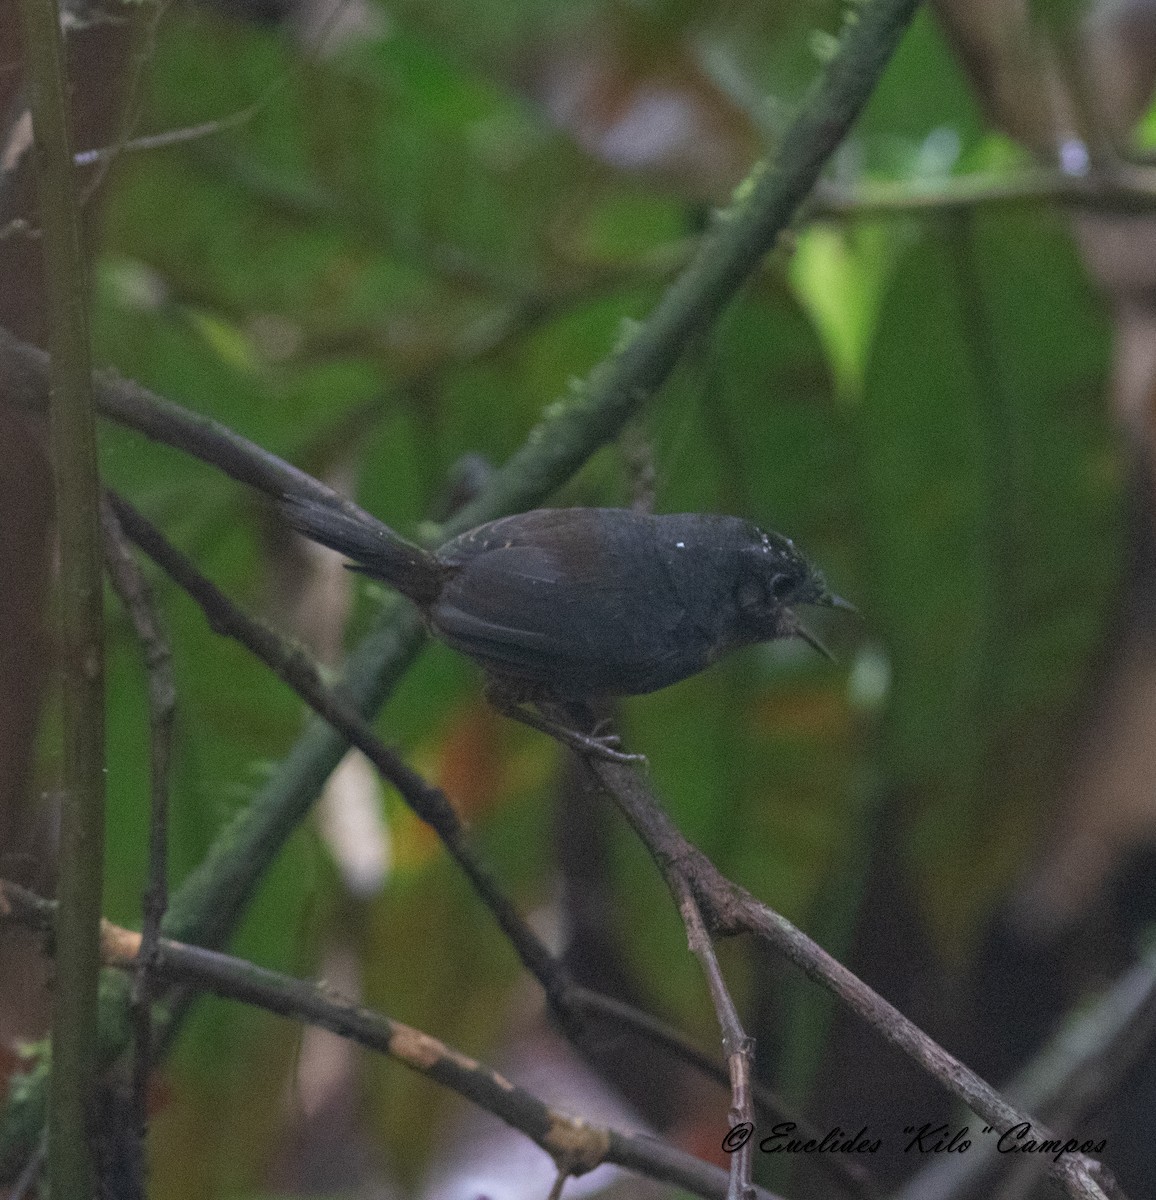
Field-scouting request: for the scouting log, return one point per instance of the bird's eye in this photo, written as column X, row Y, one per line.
column 782, row 586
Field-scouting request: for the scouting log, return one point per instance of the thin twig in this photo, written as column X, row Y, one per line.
column 850, row 1176
column 104, row 157
column 135, row 594
column 738, row 1048
column 132, row 104
column 1119, row 188
column 729, row 909
column 75, row 1052
column 575, row 1145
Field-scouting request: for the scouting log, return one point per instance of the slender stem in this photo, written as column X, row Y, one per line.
column 1121, row 188
column 135, row 594
column 738, row 1048
column 74, row 1022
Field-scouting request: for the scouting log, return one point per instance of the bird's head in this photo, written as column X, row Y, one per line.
column 774, row 579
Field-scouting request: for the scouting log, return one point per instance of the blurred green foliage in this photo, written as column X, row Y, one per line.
column 397, row 259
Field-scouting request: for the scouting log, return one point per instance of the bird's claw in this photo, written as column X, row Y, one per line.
column 602, row 745
column 600, row 742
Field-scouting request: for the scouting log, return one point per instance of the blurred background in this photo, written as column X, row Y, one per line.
column 404, row 229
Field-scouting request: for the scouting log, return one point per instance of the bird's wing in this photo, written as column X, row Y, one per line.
column 559, row 543
column 508, row 649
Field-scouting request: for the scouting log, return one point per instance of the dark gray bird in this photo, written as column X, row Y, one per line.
column 562, row 606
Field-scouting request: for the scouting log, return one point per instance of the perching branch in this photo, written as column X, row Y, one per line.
column 575, row 1145
column 71, row 1173
column 729, row 909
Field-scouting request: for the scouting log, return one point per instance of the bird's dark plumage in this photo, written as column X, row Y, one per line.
column 579, row 603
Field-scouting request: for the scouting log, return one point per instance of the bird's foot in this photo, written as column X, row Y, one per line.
column 598, row 743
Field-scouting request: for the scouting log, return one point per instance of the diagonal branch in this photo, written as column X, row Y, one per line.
column 293, row 665
column 730, row 909
column 1076, row 1070
column 740, row 236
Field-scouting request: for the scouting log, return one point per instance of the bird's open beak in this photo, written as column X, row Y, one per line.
column 833, row 601
column 812, row 640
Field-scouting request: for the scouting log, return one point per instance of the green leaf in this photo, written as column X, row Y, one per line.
column 991, row 506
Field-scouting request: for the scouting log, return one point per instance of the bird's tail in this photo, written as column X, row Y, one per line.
column 375, row 549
